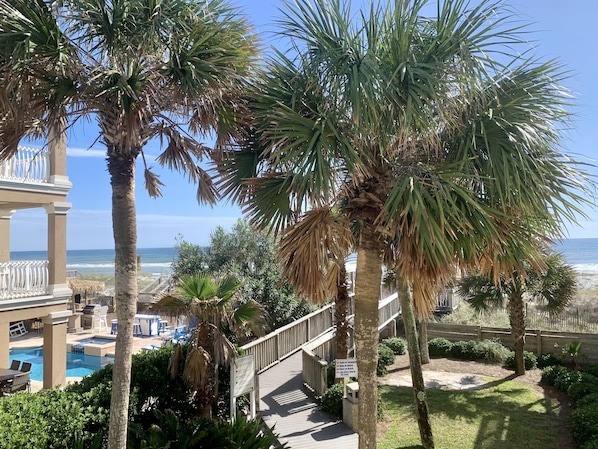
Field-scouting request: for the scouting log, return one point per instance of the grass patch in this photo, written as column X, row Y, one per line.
column 508, row 415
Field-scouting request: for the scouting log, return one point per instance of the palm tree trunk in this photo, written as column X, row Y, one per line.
column 341, row 310
column 422, row 327
column 124, row 224
column 517, row 320
column 417, row 377
column 368, row 279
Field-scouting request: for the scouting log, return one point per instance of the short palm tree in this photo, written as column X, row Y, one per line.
column 212, row 304
column 144, row 70
column 411, row 134
column 555, row 286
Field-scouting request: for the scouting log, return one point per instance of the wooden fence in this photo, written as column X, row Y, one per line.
column 536, row 341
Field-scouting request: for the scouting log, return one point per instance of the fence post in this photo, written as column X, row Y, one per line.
column 480, row 332
column 539, row 342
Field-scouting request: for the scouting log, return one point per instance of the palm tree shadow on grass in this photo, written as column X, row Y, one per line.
column 506, row 418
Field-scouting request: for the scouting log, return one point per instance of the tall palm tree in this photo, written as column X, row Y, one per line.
column 216, row 310
column 435, row 141
column 554, row 286
column 144, row 70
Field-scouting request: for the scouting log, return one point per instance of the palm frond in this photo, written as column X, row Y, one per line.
column 307, row 248
column 196, row 373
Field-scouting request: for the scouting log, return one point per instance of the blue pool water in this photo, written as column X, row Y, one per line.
column 97, row 341
column 77, row 365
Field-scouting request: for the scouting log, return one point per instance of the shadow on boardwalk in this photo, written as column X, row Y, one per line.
column 296, row 418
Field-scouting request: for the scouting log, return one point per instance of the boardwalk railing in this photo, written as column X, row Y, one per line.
column 24, row 278
column 285, row 341
column 28, row 164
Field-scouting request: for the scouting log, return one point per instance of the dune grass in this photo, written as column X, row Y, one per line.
column 506, row 416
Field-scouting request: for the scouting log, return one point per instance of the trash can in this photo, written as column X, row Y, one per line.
column 351, row 406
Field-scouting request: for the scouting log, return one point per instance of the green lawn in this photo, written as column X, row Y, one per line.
column 507, row 416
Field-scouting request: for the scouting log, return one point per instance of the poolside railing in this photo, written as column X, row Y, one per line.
column 23, row 278
column 28, row 164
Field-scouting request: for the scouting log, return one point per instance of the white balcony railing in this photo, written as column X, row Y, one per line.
column 28, row 164
column 23, row 278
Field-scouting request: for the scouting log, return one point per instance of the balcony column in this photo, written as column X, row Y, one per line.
column 5, row 216
column 4, row 340
column 57, row 153
column 57, row 248
column 55, row 348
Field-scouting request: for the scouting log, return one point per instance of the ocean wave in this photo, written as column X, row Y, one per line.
column 586, row 268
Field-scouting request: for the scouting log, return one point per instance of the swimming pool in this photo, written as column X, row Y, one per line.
column 77, row 365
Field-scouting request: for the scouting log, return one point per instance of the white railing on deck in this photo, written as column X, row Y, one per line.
column 28, row 164
column 20, row 279
column 282, row 342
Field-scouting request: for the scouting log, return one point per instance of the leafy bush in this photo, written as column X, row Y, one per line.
column 48, row 419
column 591, row 398
column 548, row 359
column 386, row 357
column 592, row 443
column 439, row 347
column 332, row 401
column 169, row 430
column 529, row 360
column 330, row 373
column 590, row 369
column 467, row 350
column 587, row 385
column 551, row 373
column 566, row 379
column 494, row 351
column 583, row 423
column 397, row 344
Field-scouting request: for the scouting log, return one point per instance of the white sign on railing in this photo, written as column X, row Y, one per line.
column 242, row 381
column 345, row 368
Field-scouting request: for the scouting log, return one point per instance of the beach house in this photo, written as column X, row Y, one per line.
column 36, row 291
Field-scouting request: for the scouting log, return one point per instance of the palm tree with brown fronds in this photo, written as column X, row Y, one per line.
column 212, row 304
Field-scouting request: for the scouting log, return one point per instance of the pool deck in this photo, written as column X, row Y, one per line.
column 34, row 339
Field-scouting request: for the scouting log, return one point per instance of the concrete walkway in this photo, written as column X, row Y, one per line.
column 296, row 418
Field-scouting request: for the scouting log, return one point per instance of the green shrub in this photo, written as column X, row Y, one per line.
column 592, row 443
column 397, row 344
column 551, row 373
column 587, row 385
column 493, row 350
column 170, row 431
column 591, row 398
column 332, row 401
column 330, row 374
column 439, row 347
column 48, row 419
column 583, row 423
column 566, row 379
column 529, row 360
column 590, row 369
column 548, row 359
column 386, row 357
column 467, row 350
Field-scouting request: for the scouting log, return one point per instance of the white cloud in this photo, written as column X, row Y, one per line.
column 85, row 152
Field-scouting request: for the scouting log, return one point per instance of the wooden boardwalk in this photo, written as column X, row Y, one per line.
column 296, row 418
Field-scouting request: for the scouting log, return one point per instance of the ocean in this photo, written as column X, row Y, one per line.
column 156, row 261
column 582, row 254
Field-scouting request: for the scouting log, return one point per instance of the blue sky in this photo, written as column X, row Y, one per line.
column 566, row 33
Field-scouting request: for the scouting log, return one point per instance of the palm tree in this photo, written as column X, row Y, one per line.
column 144, row 70
column 554, row 286
column 214, row 306
column 408, row 133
